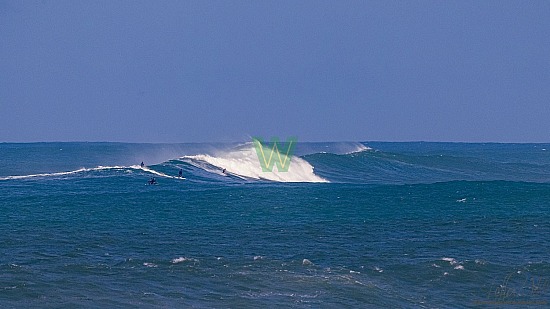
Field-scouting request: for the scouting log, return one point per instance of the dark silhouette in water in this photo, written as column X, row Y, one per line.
column 152, row 181
column 180, row 174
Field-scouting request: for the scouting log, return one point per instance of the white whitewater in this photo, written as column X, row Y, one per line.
column 243, row 162
column 99, row 168
column 148, row 170
column 359, row 148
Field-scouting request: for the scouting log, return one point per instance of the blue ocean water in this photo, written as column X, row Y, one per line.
column 380, row 225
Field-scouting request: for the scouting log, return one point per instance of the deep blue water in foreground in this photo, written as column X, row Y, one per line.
column 396, row 225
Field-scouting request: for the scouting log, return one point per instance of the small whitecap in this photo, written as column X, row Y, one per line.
column 436, row 266
column 307, row 262
column 354, row 272
column 450, row 260
column 460, row 267
column 445, row 274
column 378, row 269
column 150, row 264
column 183, row 259
column 258, row 257
column 461, row 200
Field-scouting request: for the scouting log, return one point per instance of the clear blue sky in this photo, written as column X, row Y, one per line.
column 202, row 71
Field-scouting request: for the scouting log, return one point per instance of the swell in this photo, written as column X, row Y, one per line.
column 343, row 163
column 372, row 166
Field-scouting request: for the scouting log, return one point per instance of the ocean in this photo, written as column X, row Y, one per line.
column 363, row 225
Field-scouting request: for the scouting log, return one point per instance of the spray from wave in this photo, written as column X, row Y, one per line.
column 243, row 162
column 358, row 147
column 338, row 148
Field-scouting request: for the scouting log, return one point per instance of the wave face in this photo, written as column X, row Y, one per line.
column 410, row 163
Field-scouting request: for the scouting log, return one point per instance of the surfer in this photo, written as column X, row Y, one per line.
column 142, row 165
column 223, row 171
column 152, row 181
column 180, row 174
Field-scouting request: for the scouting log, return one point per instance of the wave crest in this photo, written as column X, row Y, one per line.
column 243, row 162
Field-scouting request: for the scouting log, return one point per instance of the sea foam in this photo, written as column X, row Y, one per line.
column 243, row 162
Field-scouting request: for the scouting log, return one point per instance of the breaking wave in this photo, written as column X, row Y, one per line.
column 341, row 162
column 243, row 162
column 94, row 169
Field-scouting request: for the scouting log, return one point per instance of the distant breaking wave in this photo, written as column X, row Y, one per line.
column 84, row 170
column 359, row 148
